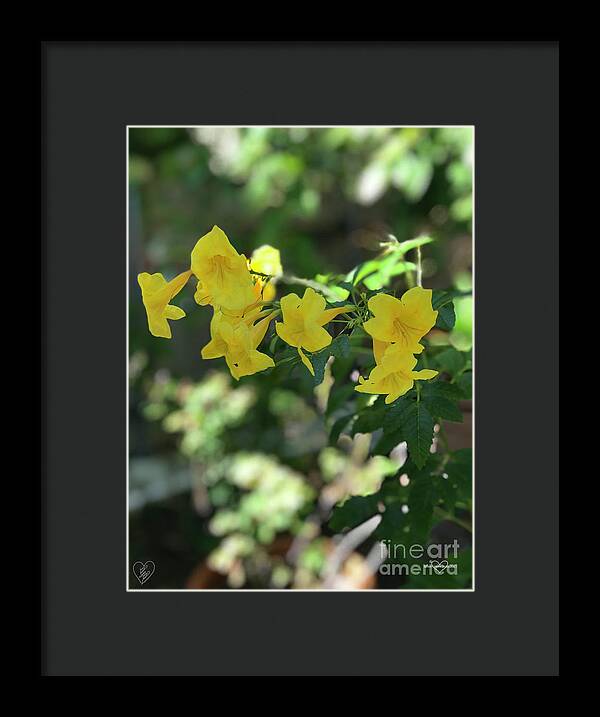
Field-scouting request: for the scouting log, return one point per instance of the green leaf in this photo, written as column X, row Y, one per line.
column 446, row 580
column 440, row 398
column 273, row 344
column 339, row 347
column 338, row 427
column 387, row 443
column 421, row 501
column 455, row 484
column 461, row 464
column 442, row 388
column 451, row 361
column 406, row 246
column 465, row 383
column 338, row 304
column 440, row 298
column 443, row 408
column 376, row 273
column 394, row 417
column 369, row 419
column 353, row 512
column 417, row 425
column 443, row 303
column 446, row 317
column 338, row 396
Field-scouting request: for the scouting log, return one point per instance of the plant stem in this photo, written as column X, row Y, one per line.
column 443, row 435
column 290, row 279
column 419, row 268
column 445, row 515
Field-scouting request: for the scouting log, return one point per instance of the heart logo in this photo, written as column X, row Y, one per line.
column 439, row 565
column 144, row 571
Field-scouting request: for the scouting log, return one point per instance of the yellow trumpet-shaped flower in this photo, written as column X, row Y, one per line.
column 216, row 347
column 265, row 260
column 223, row 276
column 303, row 321
column 402, row 321
column 237, row 339
column 241, row 341
column 393, row 375
column 157, row 293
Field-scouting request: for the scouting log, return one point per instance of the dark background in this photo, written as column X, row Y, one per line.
column 510, row 93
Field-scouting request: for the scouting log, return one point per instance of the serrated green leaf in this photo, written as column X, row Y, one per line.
column 417, row 429
column 442, row 388
column 443, row 408
column 440, row 398
column 394, row 416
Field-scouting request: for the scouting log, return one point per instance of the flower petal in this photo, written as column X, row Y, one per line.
column 312, row 306
column 159, row 326
column 315, row 338
column 202, row 296
column 260, row 329
column 290, row 303
column 424, row 374
column 379, row 348
column 215, row 348
column 173, row 312
column 384, row 304
column 397, row 385
column 284, row 332
column 214, row 242
column 260, row 361
column 305, row 361
column 330, row 314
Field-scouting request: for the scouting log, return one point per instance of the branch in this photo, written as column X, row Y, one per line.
column 346, row 546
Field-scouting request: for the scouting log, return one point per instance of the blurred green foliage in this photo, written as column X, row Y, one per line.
column 267, row 455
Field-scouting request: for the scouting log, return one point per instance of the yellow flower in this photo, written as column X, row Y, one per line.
column 393, row 375
column 402, row 321
column 303, row 321
column 237, row 338
column 223, row 276
column 156, row 295
column 216, row 347
column 265, row 260
column 379, row 348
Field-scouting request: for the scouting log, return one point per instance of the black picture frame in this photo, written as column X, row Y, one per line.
column 90, row 625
